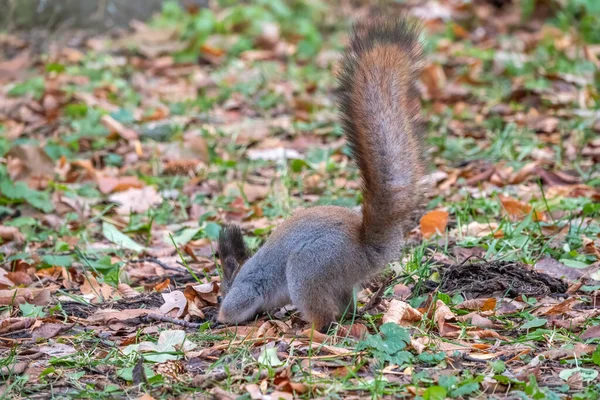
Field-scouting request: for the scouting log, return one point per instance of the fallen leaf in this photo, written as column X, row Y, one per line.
column 401, row 313
column 518, row 210
column 110, row 184
column 94, row 290
column 115, row 126
column 477, row 304
column 135, row 200
column 442, row 316
column 174, row 300
column 28, row 161
column 127, row 291
column 10, row 233
column 434, row 222
column 593, row 332
column 49, row 330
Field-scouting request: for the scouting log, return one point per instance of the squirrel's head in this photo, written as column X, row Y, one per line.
column 240, row 304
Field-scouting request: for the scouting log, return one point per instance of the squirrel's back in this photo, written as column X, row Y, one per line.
column 380, row 109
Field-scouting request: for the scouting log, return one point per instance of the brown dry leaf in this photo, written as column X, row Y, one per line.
column 478, row 229
column 484, row 334
column 593, row 332
column 127, row 291
column 5, row 282
column 94, row 290
column 249, row 191
column 19, row 278
column 115, row 126
column 10, row 233
column 563, row 307
column 544, row 124
column 401, row 291
column 434, row 222
column 518, row 210
column 478, row 304
column 145, row 396
column 105, row 316
column 254, row 391
column 401, row 313
column 558, row 270
column 434, row 79
column 11, row 69
column 272, row 328
column 110, row 184
column 442, row 316
column 482, row 322
column 29, row 162
column 357, row 331
column 279, row 395
column 207, row 291
column 17, row 296
column 162, row 286
column 14, row 324
column 174, row 300
column 418, row 346
column 590, row 247
column 49, row 330
column 136, row 200
column 316, row 336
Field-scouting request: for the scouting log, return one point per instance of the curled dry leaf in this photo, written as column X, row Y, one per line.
column 5, row 281
column 116, row 127
column 16, row 296
column 434, row 222
column 401, row 291
column 357, row 331
column 162, row 286
column 442, row 316
column 561, row 308
column 477, row 304
column 29, row 162
column 174, row 300
column 20, row 278
column 95, row 291
column 518, row 210
column 401, row 313
column 482, row 322
column 127, row 291
column 11, row 233
column 272, row 328
column 590, row 247
column 468, row 317
column 478, row 229
column 316, row 336
column 593, row 332
column 110, row 184
column 208, row 292
column 136, row 200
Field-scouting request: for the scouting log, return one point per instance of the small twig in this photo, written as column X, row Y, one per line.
column 180, row 322
column 157, row 262
column 467, row 357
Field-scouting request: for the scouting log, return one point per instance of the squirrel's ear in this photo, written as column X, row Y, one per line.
column 232, row 251
column 231, row 244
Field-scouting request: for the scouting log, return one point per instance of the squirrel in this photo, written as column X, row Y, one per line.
column 316, row 258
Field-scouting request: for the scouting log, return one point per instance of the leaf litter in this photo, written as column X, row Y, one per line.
column 113, row 186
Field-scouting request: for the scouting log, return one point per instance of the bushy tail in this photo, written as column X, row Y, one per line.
column 380, row 107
